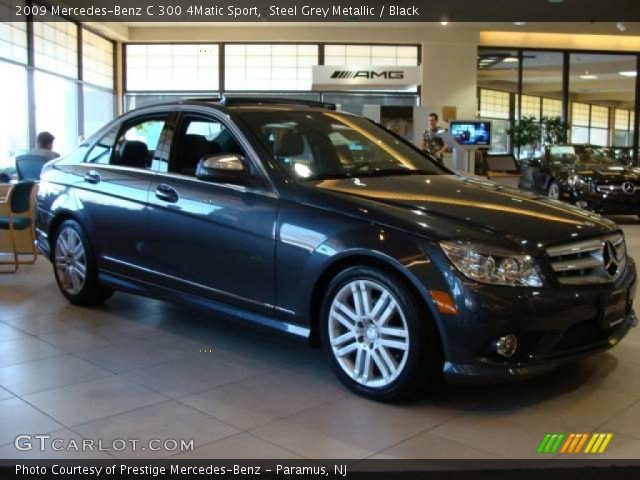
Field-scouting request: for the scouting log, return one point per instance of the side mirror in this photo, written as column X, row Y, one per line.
column 229, row 168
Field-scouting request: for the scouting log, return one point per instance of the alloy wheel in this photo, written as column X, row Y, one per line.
column 368, row 333
column 70, row 261
column 554, row 191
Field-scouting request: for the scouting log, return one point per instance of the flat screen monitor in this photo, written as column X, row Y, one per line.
column 471, row 133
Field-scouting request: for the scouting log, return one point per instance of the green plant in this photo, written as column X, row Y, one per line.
column 526, row 132
column 554, row 130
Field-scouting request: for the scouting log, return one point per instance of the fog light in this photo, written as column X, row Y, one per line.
column 582, row 204
column 506, row 346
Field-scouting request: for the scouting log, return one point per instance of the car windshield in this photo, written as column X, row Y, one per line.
column 313, row 145
column 583, row 156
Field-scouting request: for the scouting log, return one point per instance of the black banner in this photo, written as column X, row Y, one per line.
column 321, row 469
column 324, row 10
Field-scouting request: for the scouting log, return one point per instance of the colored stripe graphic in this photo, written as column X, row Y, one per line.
column 573, row 443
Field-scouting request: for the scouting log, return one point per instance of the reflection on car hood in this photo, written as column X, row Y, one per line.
column 462, row 206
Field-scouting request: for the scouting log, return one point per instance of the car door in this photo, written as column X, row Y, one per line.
column 114, row 190
column 213, row 239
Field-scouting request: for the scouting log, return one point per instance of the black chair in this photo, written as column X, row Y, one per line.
column 29, row 166
column 16, row 216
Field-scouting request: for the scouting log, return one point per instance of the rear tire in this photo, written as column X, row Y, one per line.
column 377, row 339
column 75, row 267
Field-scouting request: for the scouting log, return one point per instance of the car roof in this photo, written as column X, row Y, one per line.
column 247, row 103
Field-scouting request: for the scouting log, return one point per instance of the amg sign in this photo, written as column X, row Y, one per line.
column 394, row 74
column 365, row 77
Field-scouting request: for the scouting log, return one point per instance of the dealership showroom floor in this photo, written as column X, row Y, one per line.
column 141, row 368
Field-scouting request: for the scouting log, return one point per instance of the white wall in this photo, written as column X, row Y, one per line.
column 449, row 77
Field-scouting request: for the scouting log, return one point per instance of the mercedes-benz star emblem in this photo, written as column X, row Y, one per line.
column 628, row 187
column 609, row 259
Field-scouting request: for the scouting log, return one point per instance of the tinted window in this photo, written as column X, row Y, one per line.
column 317, row 145
column 138, row 143
column 200, row 138
column 101, row 151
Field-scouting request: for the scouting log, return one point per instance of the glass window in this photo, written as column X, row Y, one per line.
column 181, row 67
column 600, row 81
column 323, row 145
column 14, row 128
column 99, row 108
column 101, row 151
column 494, row 104
column 495, row 107
column 380, row 55
column 56, row 102
column 200, row 138
column 13, row 41
column 259, row 67
column 530, row 106
column 551, row 108
column 97, row 60
column 541, row 77
column 138, row 143
column 56, row 47
column 623, row 128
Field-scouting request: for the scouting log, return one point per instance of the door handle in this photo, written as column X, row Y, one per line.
column 167, row 193
column 92, row 177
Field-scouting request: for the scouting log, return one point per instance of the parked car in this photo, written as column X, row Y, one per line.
column 323, row 224
column 587, row 176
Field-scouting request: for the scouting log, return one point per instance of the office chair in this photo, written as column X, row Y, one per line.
column 29, row 167
column 16, row 217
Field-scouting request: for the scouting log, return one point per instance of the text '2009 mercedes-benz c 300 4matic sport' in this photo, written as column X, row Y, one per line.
column 326, row 225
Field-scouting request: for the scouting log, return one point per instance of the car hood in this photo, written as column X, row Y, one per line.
column 452, row 206
column 608, row 174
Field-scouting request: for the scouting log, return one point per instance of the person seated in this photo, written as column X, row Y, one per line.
column 44, row 146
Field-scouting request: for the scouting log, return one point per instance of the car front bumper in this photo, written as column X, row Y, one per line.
column 614, row 203
column 552, row 327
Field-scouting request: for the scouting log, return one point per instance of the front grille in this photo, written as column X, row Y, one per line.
column 628, row 188
column 589, row 261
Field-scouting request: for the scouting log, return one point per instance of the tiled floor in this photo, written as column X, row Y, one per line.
column 143, row 369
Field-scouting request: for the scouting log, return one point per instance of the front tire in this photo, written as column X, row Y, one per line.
column 553, row 191
column 376, row 338
column 75, row 267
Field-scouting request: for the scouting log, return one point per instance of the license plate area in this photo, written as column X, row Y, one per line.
column 615, row 308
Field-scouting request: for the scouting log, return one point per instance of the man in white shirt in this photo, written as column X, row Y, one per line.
column 44, row 148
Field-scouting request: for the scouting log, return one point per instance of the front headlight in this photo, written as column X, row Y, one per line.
column 487, row 265
column 576, row 181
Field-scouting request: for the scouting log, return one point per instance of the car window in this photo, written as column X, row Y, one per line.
column 138, row 143
column 319, row 145
column 101, row 151
column 201, row 137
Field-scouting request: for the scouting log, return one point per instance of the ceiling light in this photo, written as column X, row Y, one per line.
column 588, row 77
column 629, row 74
column 510, row 60
column 444, row 23
column 621, row 26
column 519, row 24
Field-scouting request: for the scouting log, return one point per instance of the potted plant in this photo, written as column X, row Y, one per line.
column 554, row 131
column 526, row 132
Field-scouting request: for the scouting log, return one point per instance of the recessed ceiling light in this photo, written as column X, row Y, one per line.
column 444, row 23
column 588, row 77
column 510, row 60
column 628, row 74
column 519, row 24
